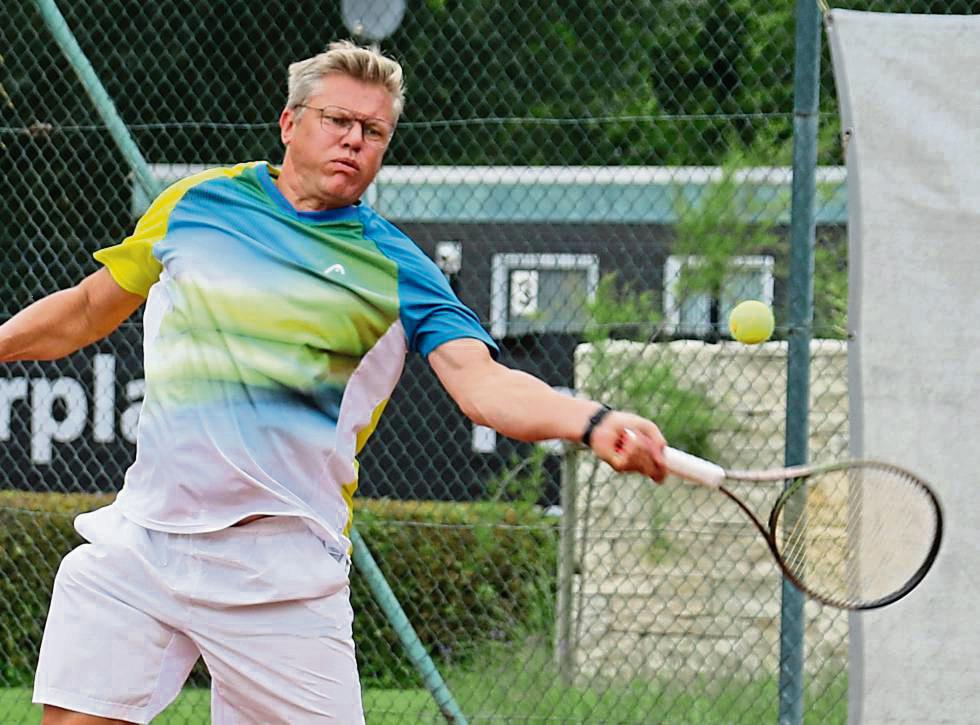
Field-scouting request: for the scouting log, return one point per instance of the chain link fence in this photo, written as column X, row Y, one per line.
column 601, row 182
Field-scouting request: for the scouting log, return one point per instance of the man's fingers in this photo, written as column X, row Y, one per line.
column 641, row 453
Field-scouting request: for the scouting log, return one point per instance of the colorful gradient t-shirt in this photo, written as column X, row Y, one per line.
column 272, row 341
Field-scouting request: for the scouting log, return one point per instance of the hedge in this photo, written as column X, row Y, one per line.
column 467, row 575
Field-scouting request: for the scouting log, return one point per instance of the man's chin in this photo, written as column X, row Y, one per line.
column 343, row 195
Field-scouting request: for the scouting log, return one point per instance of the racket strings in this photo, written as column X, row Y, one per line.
column 856, row 535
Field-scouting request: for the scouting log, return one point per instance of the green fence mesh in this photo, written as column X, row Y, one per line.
column 601, row 182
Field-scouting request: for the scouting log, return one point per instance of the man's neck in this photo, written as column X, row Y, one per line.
column 287, row 181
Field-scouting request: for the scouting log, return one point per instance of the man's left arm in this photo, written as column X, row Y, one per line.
column 521, row 406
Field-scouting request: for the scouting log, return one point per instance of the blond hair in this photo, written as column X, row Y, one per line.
column 367, row 64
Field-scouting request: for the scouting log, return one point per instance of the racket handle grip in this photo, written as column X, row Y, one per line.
column 693, row 469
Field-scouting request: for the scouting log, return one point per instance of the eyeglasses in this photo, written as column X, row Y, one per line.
column 338, row 120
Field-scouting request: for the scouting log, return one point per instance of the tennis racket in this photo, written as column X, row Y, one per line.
column 854, row 535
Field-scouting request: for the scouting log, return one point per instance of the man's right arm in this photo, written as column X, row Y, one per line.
column 66, row 321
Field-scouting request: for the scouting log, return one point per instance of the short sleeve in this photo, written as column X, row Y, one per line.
column 132, row 263
column 430, row 312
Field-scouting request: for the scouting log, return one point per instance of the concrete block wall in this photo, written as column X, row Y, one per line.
column 674, row 582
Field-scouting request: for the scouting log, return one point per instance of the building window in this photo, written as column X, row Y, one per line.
column 703, row 314
column 533, row 293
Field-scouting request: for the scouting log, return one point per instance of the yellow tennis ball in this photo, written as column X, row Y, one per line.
column 751, row 322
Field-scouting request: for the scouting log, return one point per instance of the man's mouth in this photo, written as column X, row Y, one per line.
column 349, row 163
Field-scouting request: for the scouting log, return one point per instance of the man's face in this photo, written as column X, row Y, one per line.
column 335, row 155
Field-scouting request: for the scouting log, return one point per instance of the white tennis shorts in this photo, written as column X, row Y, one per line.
column 266, row 605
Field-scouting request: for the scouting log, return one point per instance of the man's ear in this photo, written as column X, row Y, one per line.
column 287, row 125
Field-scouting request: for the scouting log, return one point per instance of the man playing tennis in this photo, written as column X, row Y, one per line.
column 279, row 310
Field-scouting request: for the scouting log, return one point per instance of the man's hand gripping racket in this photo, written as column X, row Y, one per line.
column 853, row 535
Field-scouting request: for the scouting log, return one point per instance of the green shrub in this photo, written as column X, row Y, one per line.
column 35, row 533
column 466, row 575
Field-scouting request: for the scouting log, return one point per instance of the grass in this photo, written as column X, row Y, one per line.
column 193, row 707
column 521, row 686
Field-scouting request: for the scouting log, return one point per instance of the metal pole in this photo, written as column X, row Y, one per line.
column 96, row 91
column 806, row 93
column 566, row 569
column 386, row 598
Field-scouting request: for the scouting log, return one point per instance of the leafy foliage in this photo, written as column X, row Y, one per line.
column 726, row 220
column 35, row 533
column 622, row 310
column 522, row 481
column 830, row 288
column 646, row 384
column 466, row 574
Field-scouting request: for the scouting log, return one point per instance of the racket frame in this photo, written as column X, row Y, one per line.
column 704, row 473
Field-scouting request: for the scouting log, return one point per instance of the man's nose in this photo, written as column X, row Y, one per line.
column 354, row 135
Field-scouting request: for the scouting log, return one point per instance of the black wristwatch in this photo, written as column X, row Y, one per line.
column 596, row 418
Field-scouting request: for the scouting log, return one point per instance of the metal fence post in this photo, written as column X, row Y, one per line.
column 96, row 91
column 806, row 93
column 389, row 603
column 567, row 555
